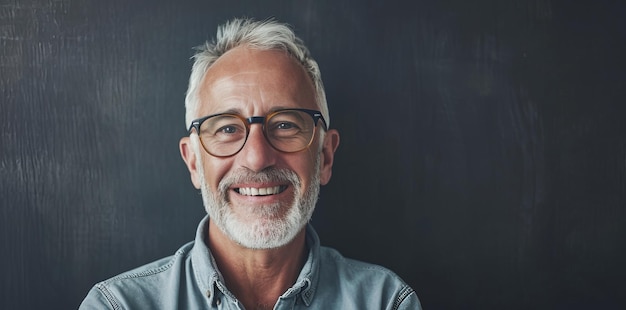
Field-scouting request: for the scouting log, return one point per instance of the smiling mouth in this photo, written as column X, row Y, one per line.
column 263, row 191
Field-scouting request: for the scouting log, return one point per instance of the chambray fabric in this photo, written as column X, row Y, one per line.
column 190, row 280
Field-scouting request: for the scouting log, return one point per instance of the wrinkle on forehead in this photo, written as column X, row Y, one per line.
column 245, row 76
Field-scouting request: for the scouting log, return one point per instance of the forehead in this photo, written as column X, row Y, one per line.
column 254, row 81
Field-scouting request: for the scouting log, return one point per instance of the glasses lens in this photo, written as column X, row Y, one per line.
column 290, row 130
column 223, row 135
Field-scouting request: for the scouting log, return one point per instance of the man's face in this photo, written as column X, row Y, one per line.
column 259, row 197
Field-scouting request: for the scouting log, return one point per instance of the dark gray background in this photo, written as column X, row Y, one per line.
column 483, row 152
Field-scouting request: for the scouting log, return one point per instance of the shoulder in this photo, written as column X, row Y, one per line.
column 365, row 282
column 145, row 282
column 153, row 269
column 332, row 260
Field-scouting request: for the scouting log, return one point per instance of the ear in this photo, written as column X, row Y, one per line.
column 189, row 156
column 329, row 146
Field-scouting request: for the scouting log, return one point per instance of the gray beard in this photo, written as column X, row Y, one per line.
column 273, row 225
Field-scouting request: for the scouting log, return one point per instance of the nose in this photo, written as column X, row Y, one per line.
column 257, row 154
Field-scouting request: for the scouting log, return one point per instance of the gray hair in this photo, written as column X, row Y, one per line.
column 264, row 35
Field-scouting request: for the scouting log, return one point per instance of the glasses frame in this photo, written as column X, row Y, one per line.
column 315, row 115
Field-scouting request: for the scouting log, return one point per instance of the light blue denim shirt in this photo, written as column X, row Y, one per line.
column 190, row 280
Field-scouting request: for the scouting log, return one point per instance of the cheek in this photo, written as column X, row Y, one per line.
column 304, row 167
column 214, row 170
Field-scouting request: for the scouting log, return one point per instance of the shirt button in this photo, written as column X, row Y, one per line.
column 218, row 302
column 208, row 293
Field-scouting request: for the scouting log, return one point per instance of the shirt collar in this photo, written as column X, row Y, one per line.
column 309, row 275
column 203, row 265
column 208, row 277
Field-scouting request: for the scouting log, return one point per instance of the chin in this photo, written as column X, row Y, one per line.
column 264, row 234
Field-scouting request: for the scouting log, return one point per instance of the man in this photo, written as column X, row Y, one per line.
column 259, row 147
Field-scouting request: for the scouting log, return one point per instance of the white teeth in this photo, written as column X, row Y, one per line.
column 253, row 191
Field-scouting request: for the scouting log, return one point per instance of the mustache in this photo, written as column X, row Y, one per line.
column 270, row 174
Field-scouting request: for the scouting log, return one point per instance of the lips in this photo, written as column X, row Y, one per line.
column 260, row 191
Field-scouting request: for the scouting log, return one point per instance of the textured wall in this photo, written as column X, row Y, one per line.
column 483, row 153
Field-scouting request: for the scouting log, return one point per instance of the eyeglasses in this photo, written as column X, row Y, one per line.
column 288, row 130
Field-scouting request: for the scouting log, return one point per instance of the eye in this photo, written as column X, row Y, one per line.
column 224, row 129
column 285, row 126
column 225, row 125
column 227, row 130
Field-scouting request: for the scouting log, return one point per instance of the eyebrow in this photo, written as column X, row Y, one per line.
column 238, row 111
column 230, row 111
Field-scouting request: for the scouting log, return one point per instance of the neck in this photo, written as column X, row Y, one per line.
column 257, row 277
